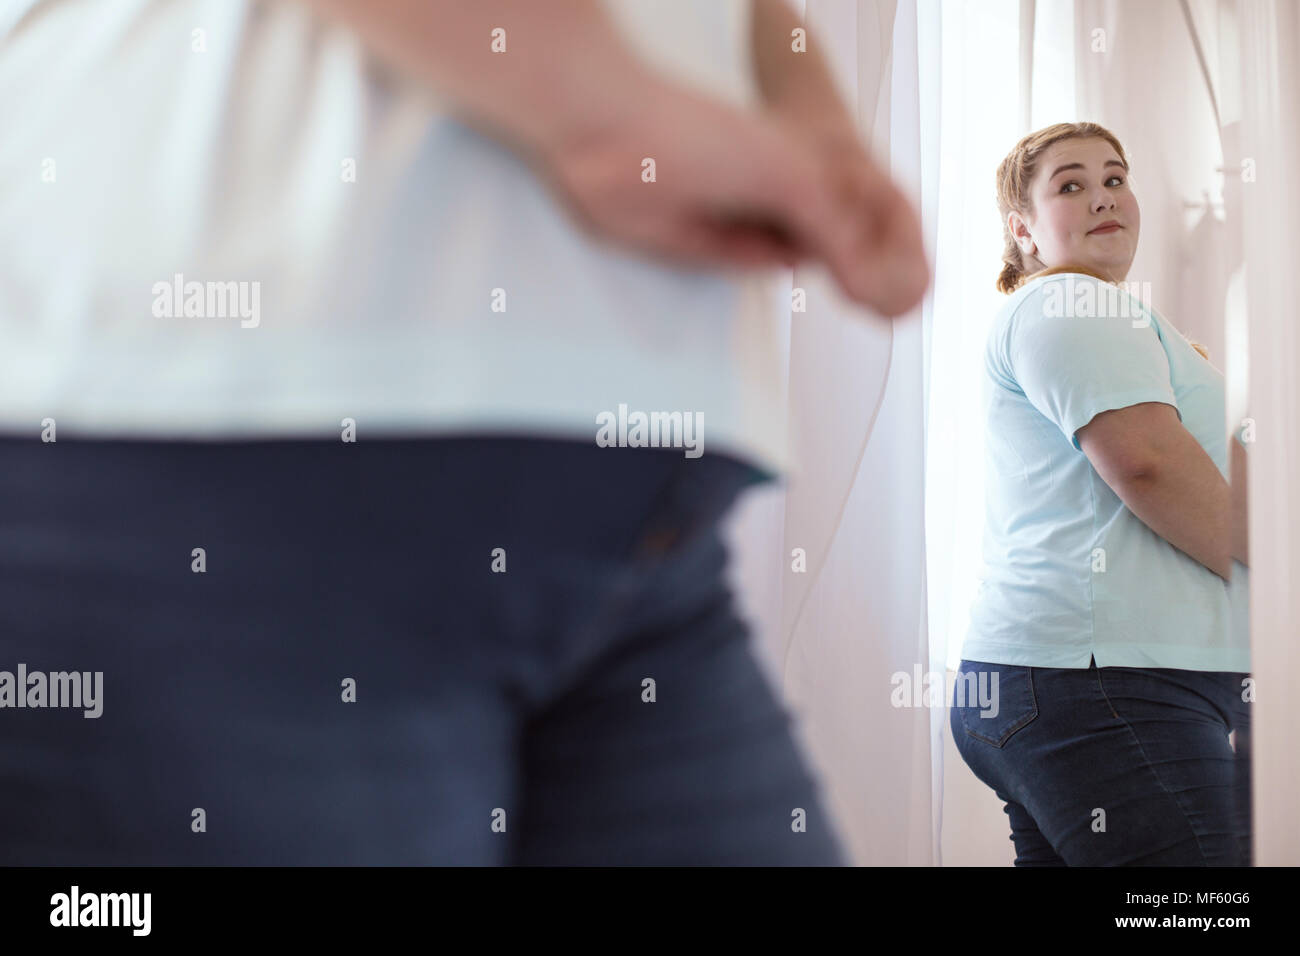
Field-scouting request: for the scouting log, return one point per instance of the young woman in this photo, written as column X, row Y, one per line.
column 1105, row 666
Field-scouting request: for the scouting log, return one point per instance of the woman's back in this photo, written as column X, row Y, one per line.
column 1071, row 573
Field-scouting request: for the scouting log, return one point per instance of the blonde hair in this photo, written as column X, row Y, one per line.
column 1015, row 175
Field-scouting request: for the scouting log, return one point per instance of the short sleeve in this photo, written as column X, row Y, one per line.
column 1073, row 367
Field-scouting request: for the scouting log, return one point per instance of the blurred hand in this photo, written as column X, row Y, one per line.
column 740, row 188
column 888, row 259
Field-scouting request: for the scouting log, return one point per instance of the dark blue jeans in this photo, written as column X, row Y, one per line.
column 1114, row 766
column 359, row 676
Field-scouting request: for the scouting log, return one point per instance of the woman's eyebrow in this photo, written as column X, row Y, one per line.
column 1109, row 162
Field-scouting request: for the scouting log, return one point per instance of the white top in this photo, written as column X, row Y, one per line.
column 1070, row 571
column 221, row 221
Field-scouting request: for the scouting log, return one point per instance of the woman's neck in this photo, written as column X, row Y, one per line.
column 1086, row 270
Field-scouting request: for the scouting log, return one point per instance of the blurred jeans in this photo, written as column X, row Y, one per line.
column 1114, row 766
column 499, row 717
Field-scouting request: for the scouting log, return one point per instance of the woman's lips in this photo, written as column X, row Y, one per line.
column 1101, row 230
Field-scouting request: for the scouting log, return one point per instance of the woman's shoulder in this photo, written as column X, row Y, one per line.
column 1060, row 277
column 1071, row 292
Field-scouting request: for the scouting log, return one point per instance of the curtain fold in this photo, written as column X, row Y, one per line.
column 854, row 508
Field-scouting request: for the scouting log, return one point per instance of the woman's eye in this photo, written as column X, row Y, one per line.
column 1118, row 179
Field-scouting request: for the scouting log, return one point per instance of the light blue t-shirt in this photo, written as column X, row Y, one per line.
column 1070, row 572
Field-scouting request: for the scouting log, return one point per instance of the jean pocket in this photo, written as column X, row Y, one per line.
column 993, row 702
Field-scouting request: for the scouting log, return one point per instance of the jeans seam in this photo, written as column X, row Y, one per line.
column 1154, row 772
column 639, row 566
column 1106, row 697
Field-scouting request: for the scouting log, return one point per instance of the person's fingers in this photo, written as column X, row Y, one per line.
column 759, row 250
column 762, row 236
column 778, row 209
column 738, row 244
column 895, row 273
column 861, row 225
column 697, row 243
column 784, row 203
column 795, row 190
column 840, row 208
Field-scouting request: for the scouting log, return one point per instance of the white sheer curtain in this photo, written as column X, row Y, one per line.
column 886, row 418
column 1268, row 68
column 836, row 633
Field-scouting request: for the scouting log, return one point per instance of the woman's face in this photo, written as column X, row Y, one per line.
column 1079, row 185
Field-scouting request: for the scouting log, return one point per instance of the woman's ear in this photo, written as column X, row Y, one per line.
column 1020, row 233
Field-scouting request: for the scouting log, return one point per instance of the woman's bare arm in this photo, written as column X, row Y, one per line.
column 1161, row 472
